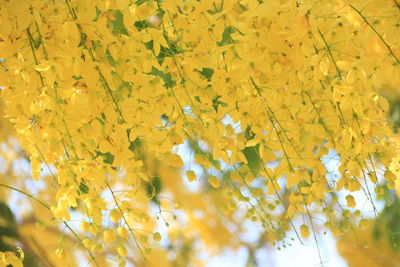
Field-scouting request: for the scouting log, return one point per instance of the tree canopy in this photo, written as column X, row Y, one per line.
column 155, row 129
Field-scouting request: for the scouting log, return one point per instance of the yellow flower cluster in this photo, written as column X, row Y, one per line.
column 101, row 93
column 9, row 258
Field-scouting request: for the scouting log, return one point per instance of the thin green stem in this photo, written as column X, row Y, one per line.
column 376, row 32
column 396, row 4
column 63, row 120
column 108, row 90
column 312, row 228
column 124, row 218
column 321, row 119
column 27, row 194
column 330, row 53
column 48, row 208
column 31, row 43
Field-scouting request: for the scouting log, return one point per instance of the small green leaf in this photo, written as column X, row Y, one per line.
column 77, row 77
column 140, row 2
column 108, row 158
column 83, row 188
column 142, row 24
column 117, row 26
column 226, row 36
column 110, row 58
column 252, row 157
column 154, row 188
column 83, row 39
column 166, row 76
column 217, row 103
column 207, row 73
column 170, row 51
column 134, row 145
column 98, row 12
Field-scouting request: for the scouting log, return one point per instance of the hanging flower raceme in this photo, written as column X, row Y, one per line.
column 250, row 104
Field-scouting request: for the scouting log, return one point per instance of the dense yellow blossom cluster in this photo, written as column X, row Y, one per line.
column 103, row 93
column 9, row 258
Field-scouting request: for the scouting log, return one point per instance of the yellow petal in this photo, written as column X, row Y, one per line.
column 305, row 232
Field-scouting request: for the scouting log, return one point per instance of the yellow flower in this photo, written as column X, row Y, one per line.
column 351, row 203
column 115, row 215
column 122, row 251
column 109, row 236
column 157, row 236
column 191, row 176
column 305, row 232
column 214, row 181
column 122, row 232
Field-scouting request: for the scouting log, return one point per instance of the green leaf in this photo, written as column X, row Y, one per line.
column 37, row 42
column 101, row 121
column 164, row 51
column 96, row 44
column 217, row 103
column 217, row 9
column 165, row 76
column 149, row 45
column 134, row 145
column 160, row 13
column 154, row 188
column 207, row 73
column 83, row 188
column 251, row 154
column 103, row 116
column 142, row 24
column 61, row 101
column 140, row 2
column 108, row 158
column 98, row 12
column 226, row 36
column 117, row 26
column 248, row 133
column 168, row 52
column 83, row 39
column 110, row 58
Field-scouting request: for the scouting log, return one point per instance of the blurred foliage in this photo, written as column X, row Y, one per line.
column 11, row 238
column 375, row 243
